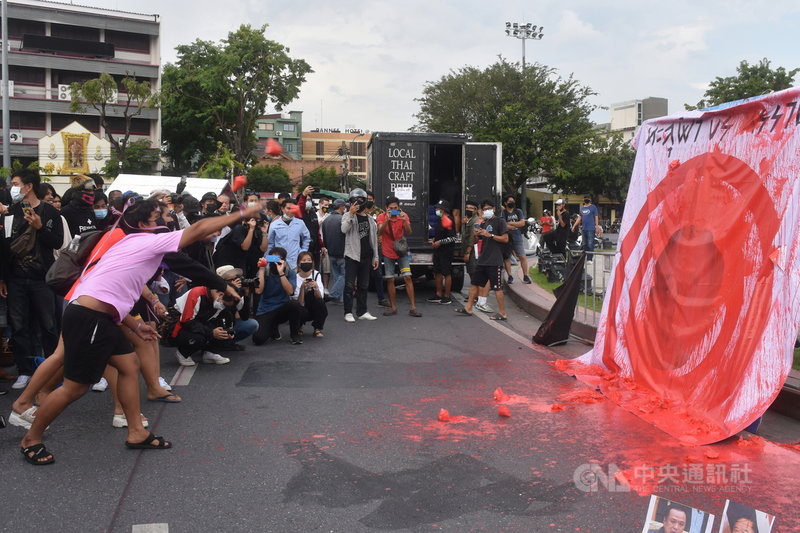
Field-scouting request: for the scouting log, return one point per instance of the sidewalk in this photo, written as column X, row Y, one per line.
column 781, row 422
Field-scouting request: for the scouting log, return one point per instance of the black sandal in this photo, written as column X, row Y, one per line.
column 147, row 444
column 462, row 311
column 38, row 451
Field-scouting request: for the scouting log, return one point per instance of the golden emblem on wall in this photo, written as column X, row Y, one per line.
column 76, row 146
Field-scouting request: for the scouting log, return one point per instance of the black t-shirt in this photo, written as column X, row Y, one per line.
column 50, row 237
column 492, row 251
column 363, row 233
column 80, row 217
column 443, row 233
column 229, row 248
column 562, row 232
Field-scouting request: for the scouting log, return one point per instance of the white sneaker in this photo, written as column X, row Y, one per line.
column 349, row 317
column 119, row 421
column 367, row 316
column 184, row 361
column 100, row 386
column 21, row 383
column 164, row 385
column 484, row 308
column 23, row 419
column 213, row 358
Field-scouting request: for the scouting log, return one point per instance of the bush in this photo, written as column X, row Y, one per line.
column 269, row 178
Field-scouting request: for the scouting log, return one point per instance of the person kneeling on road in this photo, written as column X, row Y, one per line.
column 242, row 327
column 276, row 283
column 309, row 292
column 205, row 323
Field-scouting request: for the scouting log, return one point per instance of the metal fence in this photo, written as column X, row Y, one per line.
column 596, row 276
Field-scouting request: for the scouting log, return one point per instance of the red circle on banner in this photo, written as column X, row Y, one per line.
column 695, row 289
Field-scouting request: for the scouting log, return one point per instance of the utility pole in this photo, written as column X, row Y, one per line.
column 6, row 112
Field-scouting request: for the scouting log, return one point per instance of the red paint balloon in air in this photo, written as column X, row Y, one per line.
column 239, row 182
column 274, row 148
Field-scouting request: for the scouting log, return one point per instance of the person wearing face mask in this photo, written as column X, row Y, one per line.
column 491, row 235
column 100, row 207
column 289, row 233
column 471, row 212
column 309, row 292
column 443, row 247
column 205, row 323
column 333, row 238
column 515, row 219
column 36, row 231
column 276, row 285
column 79, row 213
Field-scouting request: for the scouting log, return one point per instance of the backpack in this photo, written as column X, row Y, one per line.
column 71, row 262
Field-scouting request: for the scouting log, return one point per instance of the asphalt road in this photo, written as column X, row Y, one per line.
column 341, row 435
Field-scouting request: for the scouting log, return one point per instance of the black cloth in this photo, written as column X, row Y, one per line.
column 201, row 276
column 332, row 235
column 366, row 244
column 491, row 250
column 443, row 255
column 555, row 328
column 199, row 251
column 291, row 311
column 314, row 311
column 90, row 339
column 50, row 237
column 80, row 216
column 356, row 284
column 229, row 248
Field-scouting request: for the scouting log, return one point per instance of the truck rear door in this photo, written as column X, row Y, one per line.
column 483, row 175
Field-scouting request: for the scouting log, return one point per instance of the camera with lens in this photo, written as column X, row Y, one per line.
column 249, row 282
column 230, row 332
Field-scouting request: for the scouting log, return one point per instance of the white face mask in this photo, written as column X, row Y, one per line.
column 219, row 304
column 488, row 213
column 16, row 193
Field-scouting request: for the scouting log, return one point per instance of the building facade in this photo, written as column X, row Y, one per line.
column 52, row 45
column 628, row 116
column 286, row 128
column 342, row 149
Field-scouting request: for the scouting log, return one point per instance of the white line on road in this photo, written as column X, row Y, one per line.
column 150, row 528
column 183, row 376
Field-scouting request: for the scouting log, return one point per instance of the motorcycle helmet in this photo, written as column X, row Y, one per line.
column 358, row 196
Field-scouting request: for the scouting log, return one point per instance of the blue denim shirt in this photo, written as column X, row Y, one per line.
column 292, row 237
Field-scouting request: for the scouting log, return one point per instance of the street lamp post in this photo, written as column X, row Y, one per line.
column 523, row 32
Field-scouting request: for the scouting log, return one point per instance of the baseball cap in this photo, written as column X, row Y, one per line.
column 444, row 205
column 559, row 201
column 229, row 272
column 338, row 203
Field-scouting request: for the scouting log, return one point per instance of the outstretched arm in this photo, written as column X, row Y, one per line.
column 199, row 230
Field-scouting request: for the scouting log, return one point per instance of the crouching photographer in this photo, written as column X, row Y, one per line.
column 205, row 323
column 242, row 327
column 277, row 282
column 309, row 292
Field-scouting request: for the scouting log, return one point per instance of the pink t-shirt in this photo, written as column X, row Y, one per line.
column 125, row 268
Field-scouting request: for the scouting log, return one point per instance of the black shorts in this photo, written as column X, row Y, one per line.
column 443, row 262
column 492, row 274
column 90, row 338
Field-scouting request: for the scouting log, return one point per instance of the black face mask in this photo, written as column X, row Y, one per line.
column 511, row 205
column 368, row 204
column 469, row 212
column 306, row 267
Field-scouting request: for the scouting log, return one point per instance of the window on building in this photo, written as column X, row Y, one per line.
column 261, row 126
column 288, row 127
column 129, row 41
column 18, row 27
column 139, row 126
column 288, row 147
column 357, row 149
column 59, row 121
column 25, row 120
column 26, row 75
column 65, row 77
column 320, row 148
column 80, row 33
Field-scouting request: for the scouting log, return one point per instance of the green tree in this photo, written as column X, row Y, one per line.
column 269, row 178
column 98, row 93
column 227, row 86
column 604, row 169
column 220, row 165
column 750, row 80
column 140, row 158
column 541, row 119
column 322, row 177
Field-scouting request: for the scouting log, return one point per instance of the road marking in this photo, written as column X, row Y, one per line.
column 498, row 325
column 183, row 376
column 150, row 528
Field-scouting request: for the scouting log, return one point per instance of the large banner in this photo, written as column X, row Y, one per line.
column 697, row 330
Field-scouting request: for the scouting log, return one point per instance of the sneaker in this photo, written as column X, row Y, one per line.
column 21, row 383
column 435, row 299
column 446, row 300
column 526, row 279
column 119, row 421
column 367, row 316
column 100, row 386
column 215, row 358
column 510, row 280
column 384, row 303
column 296, row 340
column 414, row 313
column 164, row 385
column 484, row 308
column 184, row 361
column 348, row 317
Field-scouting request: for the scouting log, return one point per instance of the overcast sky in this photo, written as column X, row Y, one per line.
column 371, row 59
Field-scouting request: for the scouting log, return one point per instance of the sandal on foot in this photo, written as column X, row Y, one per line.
column 462, row 311
column 498, row 316
column 34, row 453
column 166, row 399
column 147, row 444
column 390, row 312
column 318, row 333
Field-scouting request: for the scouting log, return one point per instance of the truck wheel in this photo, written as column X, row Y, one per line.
column 458, row 278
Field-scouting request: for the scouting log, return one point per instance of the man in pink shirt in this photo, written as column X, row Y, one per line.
column 102, row 300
